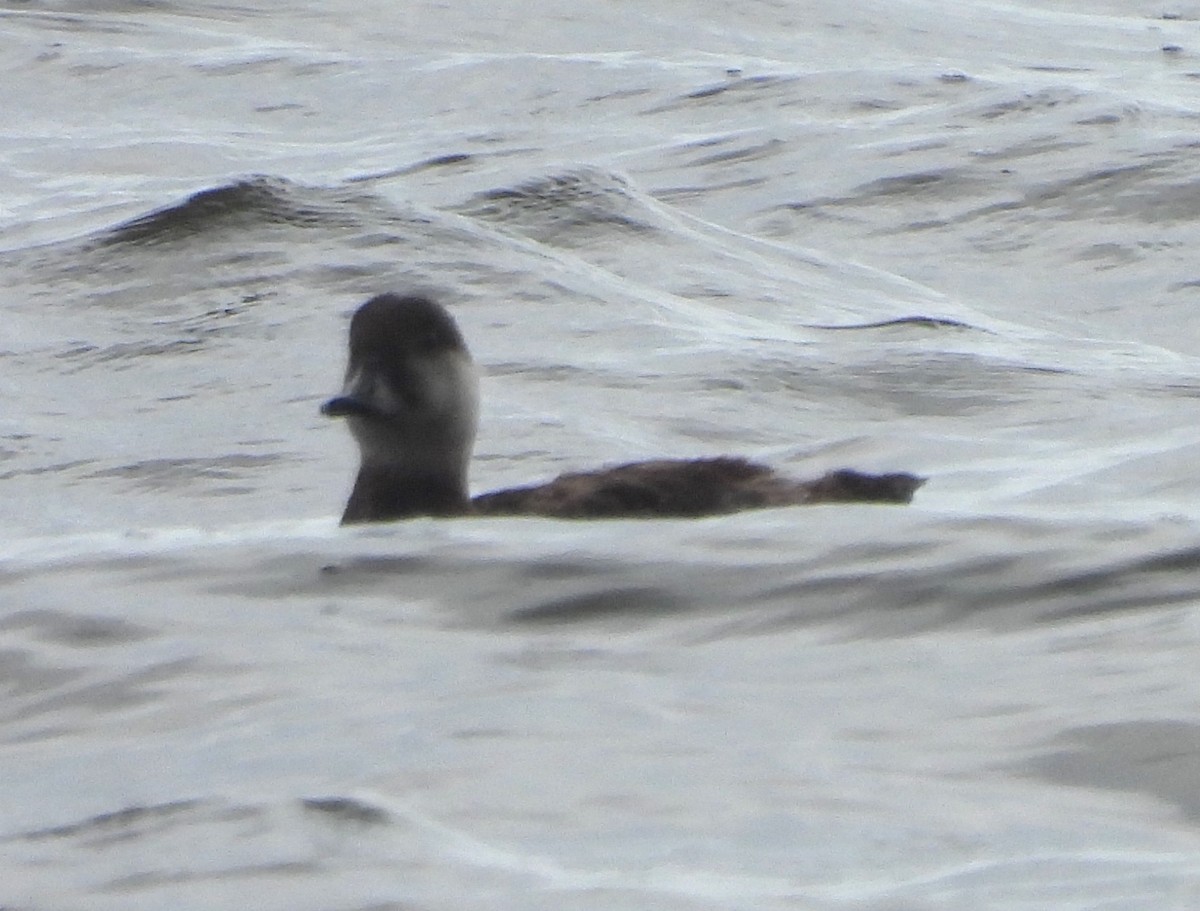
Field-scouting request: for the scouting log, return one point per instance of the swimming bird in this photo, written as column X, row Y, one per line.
column 411, row 398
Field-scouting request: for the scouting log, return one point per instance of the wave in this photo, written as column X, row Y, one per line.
column 243, row 205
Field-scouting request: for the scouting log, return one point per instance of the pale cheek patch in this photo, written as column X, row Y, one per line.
column 451, row 387
column 367, row 386
column 385, row 399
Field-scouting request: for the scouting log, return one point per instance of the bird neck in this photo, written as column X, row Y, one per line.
column 385, row 492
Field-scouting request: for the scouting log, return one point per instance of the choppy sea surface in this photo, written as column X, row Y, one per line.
column 955, row 238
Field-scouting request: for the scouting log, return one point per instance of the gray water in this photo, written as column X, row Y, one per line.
column 955, row 239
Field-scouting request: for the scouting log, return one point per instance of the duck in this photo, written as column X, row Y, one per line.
column 411, row 401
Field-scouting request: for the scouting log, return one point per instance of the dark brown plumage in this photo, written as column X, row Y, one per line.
column 411, row 398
